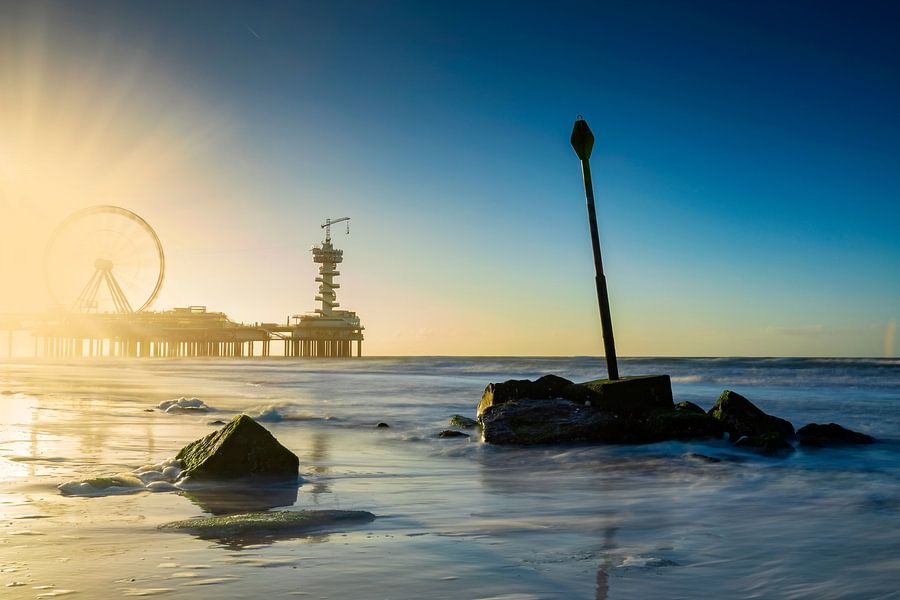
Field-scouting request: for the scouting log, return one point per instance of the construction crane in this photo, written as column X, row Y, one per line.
column 329, row 222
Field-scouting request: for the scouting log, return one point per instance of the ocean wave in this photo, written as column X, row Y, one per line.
column 686, row 379
column 275, row 413
column 267, row 414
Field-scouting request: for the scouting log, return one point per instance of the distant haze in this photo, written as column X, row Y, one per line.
column 745, row 166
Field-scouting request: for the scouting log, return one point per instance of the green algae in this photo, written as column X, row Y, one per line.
column 463, row 422
column 287, row 521
column 242, row 448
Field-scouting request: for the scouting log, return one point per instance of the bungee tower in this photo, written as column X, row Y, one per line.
column 328, row 257
column 327, row 332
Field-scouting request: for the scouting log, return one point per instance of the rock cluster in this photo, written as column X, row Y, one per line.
column 554, row 409
column 741, row 417
column 634, row 411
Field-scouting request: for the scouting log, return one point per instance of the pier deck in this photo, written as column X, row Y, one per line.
column 182, row 332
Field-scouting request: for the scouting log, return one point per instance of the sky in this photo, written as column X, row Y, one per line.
column 747, row 165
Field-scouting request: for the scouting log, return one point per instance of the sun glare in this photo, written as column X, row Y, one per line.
column 85, row 121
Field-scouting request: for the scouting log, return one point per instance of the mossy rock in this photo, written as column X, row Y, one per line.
column 689, row 407
column 269, row 522
column 463, row 422
column 631, row 396
column 242, row 448
column 682, row 425
column 743, row 418
column 772, row 444
column 550, row 421
column 547, row 387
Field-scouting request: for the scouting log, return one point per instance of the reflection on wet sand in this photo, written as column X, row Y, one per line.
column 603, row 569
column 243, row 497
column 319, row 458
column 264, row 528
column 250, row 541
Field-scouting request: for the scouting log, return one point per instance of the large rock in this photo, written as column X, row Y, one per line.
column 680, row 425
column 558, row 420
column 625, row 411
column 547, row 421
column 832, row 434
column 631, row 395
column 740, row 417
column 547, row 387
column 242, row 448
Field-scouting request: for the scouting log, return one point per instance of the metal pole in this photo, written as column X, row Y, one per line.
column 583, row 142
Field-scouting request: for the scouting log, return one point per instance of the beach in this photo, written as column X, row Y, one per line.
column 456, row 518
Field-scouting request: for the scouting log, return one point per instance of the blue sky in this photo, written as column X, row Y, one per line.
column 746, row 166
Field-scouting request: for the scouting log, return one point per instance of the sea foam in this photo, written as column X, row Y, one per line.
column 165, row 476
column 183, row 405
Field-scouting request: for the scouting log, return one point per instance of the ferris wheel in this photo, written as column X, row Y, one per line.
column 104, row 259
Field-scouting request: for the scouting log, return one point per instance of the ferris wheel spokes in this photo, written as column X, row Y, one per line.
column 104, row 259
column 87, row 300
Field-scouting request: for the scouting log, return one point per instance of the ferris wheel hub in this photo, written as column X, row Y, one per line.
column 101, row 264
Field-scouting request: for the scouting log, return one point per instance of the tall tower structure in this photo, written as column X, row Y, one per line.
column 328, row 331
column 328, row 257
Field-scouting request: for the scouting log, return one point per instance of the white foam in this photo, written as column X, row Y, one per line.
column 159, row 477
column 186, row 483
column 123, row 483
column 150, row 476
column 183, row 405
column 687, row 379
column 161, row 486
column 645, row 562
column 172, row 472
column 160, row 466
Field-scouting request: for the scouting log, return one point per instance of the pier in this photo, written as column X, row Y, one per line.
column 81, row 330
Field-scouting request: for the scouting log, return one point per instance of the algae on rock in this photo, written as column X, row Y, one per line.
column 743, row 418
column 242, row 448
column 277, row 521
column 463, row 422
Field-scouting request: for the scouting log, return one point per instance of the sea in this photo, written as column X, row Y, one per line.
column 456, row 518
